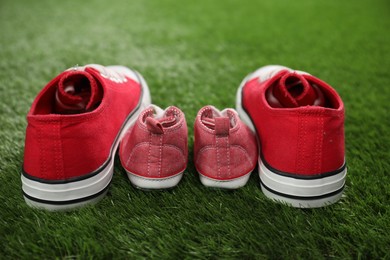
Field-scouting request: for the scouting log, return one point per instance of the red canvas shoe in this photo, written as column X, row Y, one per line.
column 299, row 121
column 154, row 151
column 225, row 150
column 74, row 128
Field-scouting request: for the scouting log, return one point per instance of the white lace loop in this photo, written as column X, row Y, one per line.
column 104, row 72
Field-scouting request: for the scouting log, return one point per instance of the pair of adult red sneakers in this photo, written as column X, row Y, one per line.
column 79, row 119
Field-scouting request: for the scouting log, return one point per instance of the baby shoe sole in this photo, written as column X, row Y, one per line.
column 225, row 184
column 146, row 183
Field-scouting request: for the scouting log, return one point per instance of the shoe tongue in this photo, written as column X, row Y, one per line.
column 293, row 90
column 77, row 92
column 157, row 125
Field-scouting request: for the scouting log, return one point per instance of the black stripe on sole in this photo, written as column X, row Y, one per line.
column 67, row 202
column 300, row 197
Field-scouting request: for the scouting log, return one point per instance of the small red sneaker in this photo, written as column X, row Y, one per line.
column 225, row 150
column 299, row 121
column 74, row 128
column 154, row 152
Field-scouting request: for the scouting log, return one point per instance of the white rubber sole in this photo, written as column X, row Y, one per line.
column 225, row 184
column 290, row 190
column 89, row 190
column 59, row 207
column 302, row 193
column 64, row 196
column 145, row 183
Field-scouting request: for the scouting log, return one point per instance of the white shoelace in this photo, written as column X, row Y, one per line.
column 104, row 72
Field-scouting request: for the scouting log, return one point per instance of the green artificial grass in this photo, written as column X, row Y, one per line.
column 194, row 53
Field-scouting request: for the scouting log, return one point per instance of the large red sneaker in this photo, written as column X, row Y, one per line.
column 74, row 127
column 225, row 150
column 299, row 120
column 154, row 152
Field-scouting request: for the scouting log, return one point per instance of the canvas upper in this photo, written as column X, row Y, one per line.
column 299, row 121
column 154, row 151
column 225, row 149
column 298, row 136
column 74, row 126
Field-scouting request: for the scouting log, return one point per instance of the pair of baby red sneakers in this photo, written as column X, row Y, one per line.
column 289, row 122
column 154, row 151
